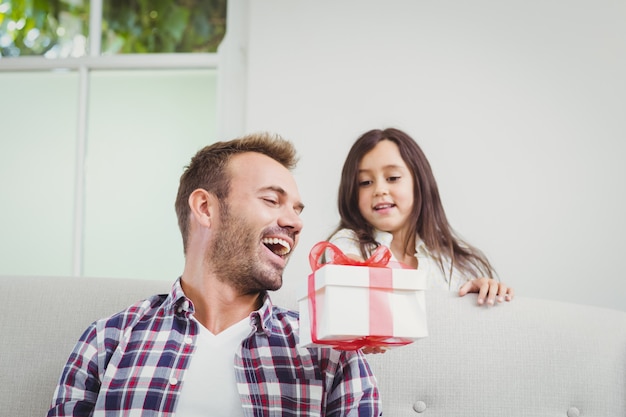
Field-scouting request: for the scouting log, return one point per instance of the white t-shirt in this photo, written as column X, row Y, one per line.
column 209, row 386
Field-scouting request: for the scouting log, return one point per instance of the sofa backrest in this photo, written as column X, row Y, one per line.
column 529, row 357
column 524, row 358
column 42, row 318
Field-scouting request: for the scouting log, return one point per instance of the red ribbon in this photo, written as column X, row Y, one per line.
column 380, row 278
column 380, row 257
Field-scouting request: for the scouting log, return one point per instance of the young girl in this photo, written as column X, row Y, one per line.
column 388, row 196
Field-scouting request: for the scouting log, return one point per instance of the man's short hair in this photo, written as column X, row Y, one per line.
column 207, row 169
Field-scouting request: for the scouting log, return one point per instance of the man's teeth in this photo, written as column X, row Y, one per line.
column 278, row 246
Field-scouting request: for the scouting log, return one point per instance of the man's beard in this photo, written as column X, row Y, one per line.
column 234, row 256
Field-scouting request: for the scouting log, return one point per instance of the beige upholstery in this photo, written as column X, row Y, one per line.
column 525, row 358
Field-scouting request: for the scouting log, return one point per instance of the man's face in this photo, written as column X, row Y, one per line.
column 259, row 224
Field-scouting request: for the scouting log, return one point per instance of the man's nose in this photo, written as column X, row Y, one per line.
column 290, row 219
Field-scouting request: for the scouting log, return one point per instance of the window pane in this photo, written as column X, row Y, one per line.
column 139, row 26
column 56, row 29
column 144, row 128
column 60, row 28
column 37, row 159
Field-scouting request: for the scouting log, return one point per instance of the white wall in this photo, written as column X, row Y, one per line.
column 519, row 105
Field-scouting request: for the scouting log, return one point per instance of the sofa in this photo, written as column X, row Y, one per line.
column 529, row 357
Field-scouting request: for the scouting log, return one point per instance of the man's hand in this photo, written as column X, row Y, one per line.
column 489, row 290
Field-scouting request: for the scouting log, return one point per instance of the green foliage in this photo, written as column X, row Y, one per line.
column 60, row 27
column 36, row 27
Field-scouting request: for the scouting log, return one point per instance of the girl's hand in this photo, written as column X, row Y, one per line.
column 374, row 349
column 489, row 290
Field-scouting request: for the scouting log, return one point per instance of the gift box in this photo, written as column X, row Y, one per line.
column 358, row 304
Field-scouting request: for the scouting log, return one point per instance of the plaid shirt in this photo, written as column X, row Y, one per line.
column 133, row 364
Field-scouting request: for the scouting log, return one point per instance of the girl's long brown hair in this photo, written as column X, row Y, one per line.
column 428, row 216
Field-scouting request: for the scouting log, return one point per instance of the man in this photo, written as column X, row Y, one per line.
column 215, row 345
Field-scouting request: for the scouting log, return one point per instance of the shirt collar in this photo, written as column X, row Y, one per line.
column 385, row 239
column 262, row 318
column 178, row 304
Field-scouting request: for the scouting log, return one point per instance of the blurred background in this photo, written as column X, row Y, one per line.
column 520, row 107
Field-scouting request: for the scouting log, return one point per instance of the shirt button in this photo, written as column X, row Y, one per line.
column 173, row 381
column 188, row 340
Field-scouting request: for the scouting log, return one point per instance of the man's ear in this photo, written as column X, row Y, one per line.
column 203, row 207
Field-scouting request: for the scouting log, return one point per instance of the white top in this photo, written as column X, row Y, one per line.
column 209, row 386
column 347, row 241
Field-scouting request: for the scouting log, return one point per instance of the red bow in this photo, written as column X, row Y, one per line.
column 380, row 257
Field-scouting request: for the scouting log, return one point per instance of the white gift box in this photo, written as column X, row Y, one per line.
column 384, row 305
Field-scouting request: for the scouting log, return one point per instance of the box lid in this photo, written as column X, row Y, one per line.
column 359, row 276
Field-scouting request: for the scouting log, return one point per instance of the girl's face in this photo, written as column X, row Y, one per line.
column 385, row 188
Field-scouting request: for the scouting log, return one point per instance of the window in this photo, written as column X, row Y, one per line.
column 97, row 130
